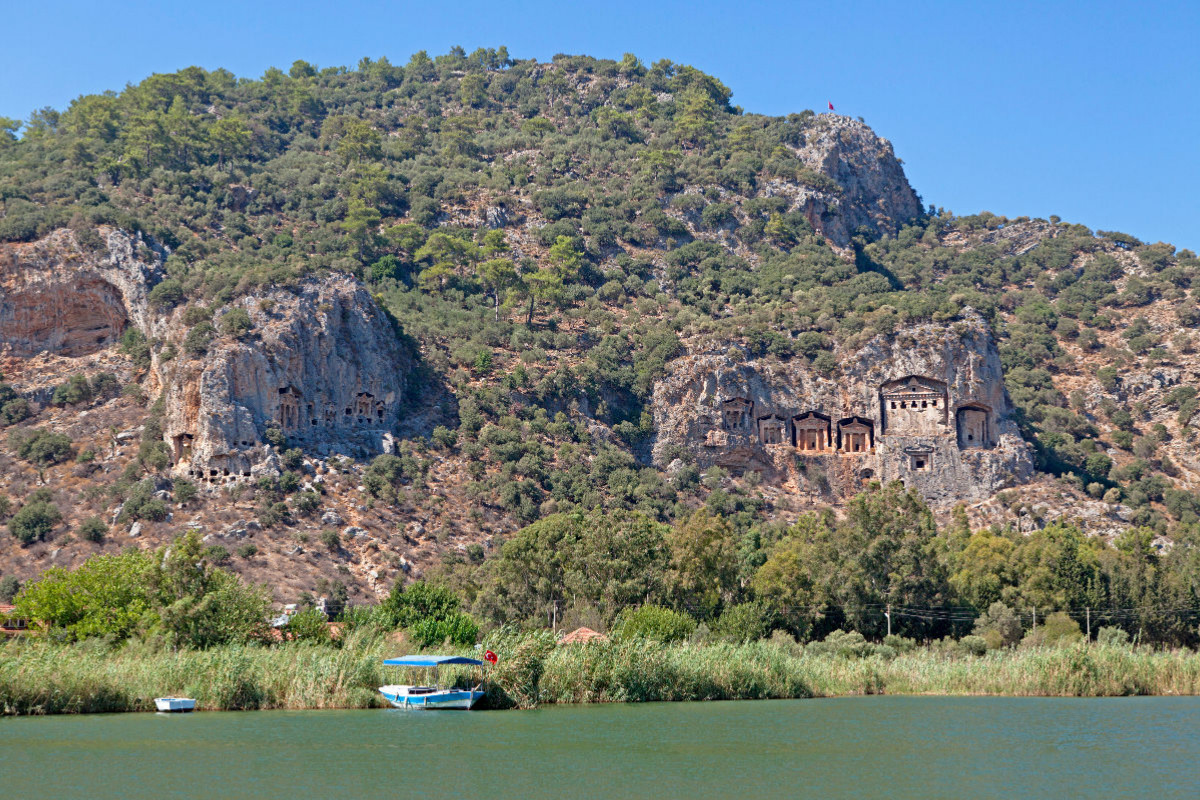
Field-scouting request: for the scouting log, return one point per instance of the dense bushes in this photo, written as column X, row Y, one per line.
column 41, row 447
column 430, row 613
column 654, row 622
column 175, row 592
column 36, row 519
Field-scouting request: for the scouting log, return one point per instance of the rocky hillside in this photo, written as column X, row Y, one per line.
column 359, row 324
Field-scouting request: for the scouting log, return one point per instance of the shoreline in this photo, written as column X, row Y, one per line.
column 40, row 677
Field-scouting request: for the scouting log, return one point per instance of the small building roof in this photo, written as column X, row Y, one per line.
column 583, row 636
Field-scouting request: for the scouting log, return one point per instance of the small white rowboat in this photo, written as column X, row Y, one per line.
column 175, row 704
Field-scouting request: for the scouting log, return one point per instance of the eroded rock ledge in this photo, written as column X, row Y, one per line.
column 926, row 406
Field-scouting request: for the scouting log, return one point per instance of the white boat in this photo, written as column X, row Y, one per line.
column 175, row 704
column 430, row 697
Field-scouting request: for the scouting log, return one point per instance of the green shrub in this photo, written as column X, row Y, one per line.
column 308, row 625
column 194, row 315
column 274, row 436
column 76, row 390
column 306, row 503
column 167, row 294
column 653, row 622
column 134, row 345
column 746, row 622
column 457, row 629
column 1112, row 637
column 332, row 540
column 405, row 607
column 444, row 437
column 105, row 596
column 248, row 550
column 999, row 626
column 184, row 491
column 974, row 645
column 14, row 411
column 142, row 504
column 236, row 323
column 289, row 482
column 843, row 644
column 217, row 554
column 196, row 342
column 9, row 587
column 292, row 459
column 1108, row 378
column 41, row 447
column 92, row 529
column 1057, row 629
column 34, row 521
column 105, row 384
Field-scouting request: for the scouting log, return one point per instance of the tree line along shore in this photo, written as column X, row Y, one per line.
column 881, row 600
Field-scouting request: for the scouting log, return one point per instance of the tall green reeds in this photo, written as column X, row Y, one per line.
column 38, row 676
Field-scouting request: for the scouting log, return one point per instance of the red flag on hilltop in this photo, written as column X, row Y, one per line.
column 489, row 656
column 831, row 106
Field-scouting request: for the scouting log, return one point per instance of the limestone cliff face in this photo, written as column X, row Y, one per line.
column 925, row 406
column 322, row 364
column 874, row 190
column 59, row 297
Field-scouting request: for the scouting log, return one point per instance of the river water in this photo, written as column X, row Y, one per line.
column 893, row 747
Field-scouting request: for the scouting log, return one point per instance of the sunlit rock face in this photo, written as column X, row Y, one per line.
column 322, row 365
column 58, row 297
column 321, row 362
column 926, row 406
column 872, row 190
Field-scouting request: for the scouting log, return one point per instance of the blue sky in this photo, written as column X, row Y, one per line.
column 1086, row 110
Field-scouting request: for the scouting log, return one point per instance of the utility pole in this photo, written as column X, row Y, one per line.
column 1089, row 624
column 888, row 614
column 1034, row 619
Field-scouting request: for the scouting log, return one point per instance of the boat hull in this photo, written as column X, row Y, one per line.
column 175, row 704
column 449, row 700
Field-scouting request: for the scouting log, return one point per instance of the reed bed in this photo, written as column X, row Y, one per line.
column 42, row 677
column 38, row 677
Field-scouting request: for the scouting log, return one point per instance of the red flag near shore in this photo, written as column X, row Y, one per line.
column 831, row 106
column 489, row 656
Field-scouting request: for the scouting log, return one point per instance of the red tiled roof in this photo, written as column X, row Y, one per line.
column 583, row 636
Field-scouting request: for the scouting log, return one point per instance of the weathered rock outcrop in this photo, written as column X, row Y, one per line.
column 59, row 297
column 323, row 365
column 926, row 406
column 873, row 188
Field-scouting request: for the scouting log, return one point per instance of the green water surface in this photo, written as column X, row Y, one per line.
column 893, row 747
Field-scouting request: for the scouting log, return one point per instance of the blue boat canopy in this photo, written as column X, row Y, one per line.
column 429, row 661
